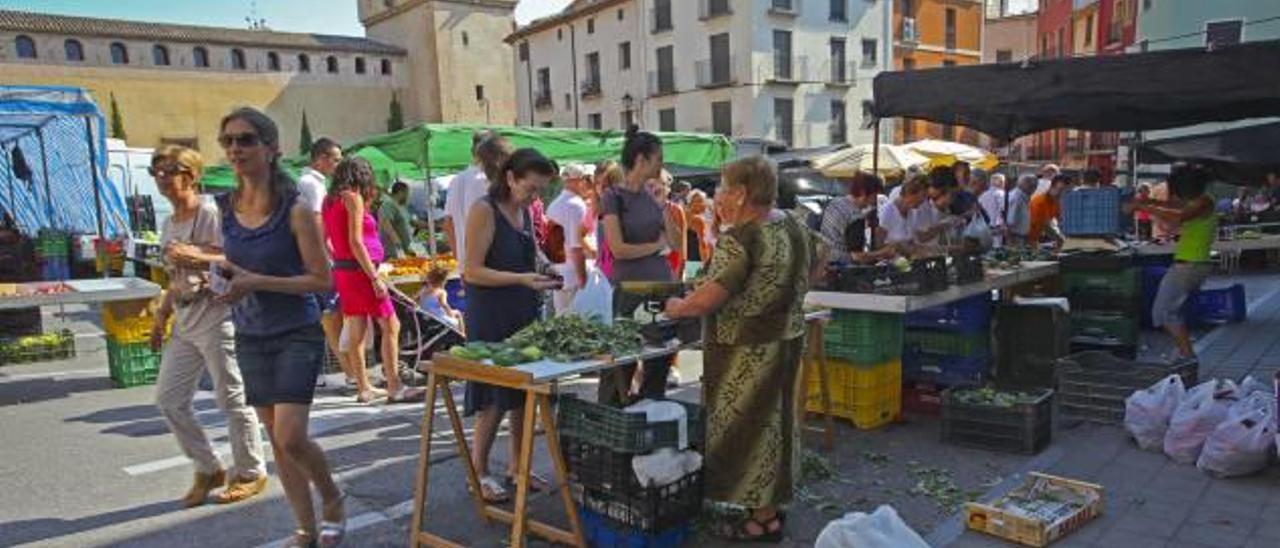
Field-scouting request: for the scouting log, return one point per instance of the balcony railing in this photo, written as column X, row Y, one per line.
column 790, row 8
column 542, row 100
column 661, row 20
column 710, row 9
column 714, row 72
column 842, row 74
column 794, row 71
column 590, row 88
column 661, row 83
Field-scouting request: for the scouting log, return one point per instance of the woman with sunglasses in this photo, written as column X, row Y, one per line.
column 362, row 294
column 275, row 265
column 202, row 337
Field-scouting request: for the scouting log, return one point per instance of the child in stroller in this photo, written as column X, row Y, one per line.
column 433, row 299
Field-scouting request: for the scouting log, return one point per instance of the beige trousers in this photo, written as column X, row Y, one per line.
column 186, row 355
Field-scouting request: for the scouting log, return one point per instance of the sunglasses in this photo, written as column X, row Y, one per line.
column 243, row 140
column 165, row 172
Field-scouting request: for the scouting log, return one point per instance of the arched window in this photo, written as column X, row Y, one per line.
column 75, row 51
column 159, row 55
column 359, row 65
column 200, row 57
column 386, row 67
column 333, row 64
column 119, row 54
column 273, row 61
column 26, row 47
column 237, row 59
column 304, row 63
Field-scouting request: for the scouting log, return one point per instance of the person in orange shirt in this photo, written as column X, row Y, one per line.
column 1046, row 210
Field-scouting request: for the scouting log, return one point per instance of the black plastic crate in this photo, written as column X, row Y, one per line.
column 618, row 430
column 1104, row 261
column 1025, row 427
column 597, row 467
column 1030, row 339
column 1093, row 386
column 648, row 510
column 926, row 276
column 19, row 322
column 1123, row 351
column 1104, row 327
column 968, row 268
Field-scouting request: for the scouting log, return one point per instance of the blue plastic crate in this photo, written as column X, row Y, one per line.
column 1218, row 306
column 950, row 370
column 971, row 315
column 454, row 295
column 55, row 269
column 600, row 532
column 1151, row 277
column 1091, row 211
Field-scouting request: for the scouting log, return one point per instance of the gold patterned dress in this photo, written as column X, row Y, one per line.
column 752, row 349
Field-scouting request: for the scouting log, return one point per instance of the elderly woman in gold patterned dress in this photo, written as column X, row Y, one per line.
column 751, row 298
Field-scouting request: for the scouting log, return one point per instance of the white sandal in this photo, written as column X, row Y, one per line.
column 332, row 532
column 492, row 491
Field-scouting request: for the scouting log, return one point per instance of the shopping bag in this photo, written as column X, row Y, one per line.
column 1204, row 408
column 882, row 529
column 595, row 299
column 1241, row 445
column 1147, row 412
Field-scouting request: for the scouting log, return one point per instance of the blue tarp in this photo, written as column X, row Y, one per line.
column 53, row 160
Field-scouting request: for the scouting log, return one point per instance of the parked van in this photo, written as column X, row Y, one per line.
column 127, row 169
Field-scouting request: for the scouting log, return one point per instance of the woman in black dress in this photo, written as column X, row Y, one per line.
column 503, row 295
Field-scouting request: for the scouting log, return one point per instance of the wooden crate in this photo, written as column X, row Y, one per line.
column 993, row 520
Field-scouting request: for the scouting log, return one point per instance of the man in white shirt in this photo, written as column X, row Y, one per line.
column 467, row 188
column 567, row 213
column 991, row 197
column 896, row 229
column 1019, row 209
column 313, row 183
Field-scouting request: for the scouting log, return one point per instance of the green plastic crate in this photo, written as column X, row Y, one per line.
column 863, row 337
column 1097, row 283
column 1104, row 328
column 38, row 348
column 949, row 344
column 132, row 364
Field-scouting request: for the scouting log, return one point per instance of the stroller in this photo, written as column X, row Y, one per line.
column 421, row 332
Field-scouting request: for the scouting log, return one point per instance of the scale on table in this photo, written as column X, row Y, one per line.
column 654, row 325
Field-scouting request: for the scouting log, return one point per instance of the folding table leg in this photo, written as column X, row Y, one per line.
column 522, row 473
column 562, row 471
column 424, row 462
column 464, row 452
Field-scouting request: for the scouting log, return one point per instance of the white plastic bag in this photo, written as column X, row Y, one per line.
column 1242, row 444
column 595, row 299
column 1147, row 412
column 1250, row 385
column 1204, row 408
column 665, row 466
column 978, row 231
column 882, row 529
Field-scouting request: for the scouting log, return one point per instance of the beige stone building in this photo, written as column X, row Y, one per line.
column 459, row 68
column 173, row 83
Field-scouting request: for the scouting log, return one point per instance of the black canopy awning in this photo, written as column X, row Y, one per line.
column 1238, row 155
column 1141, row 91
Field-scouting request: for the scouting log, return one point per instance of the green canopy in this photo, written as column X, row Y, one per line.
column 442, row 149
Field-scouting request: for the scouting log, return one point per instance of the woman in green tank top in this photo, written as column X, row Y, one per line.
column 1192, row 209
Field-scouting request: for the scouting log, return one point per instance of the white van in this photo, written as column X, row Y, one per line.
column 127, row 169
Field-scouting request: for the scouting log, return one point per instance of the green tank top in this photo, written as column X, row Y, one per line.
column 1197, row 239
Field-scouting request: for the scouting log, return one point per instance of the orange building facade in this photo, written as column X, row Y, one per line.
column 930, row 34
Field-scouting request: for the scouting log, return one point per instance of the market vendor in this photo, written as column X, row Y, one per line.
column 1192, row 212
column 395, row 229
column 895, row 218
column 1046, row 211
column 846, row 220
column 752, row 300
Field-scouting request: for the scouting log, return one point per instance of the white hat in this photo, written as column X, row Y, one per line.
column 576, row 171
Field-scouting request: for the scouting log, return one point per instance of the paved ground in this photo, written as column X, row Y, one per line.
column 82, row 464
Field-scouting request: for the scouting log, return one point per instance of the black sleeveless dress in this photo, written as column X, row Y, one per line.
column 495, row 313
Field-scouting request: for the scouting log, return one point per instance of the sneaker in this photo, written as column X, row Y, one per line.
column 241, row 489
column 204, row 483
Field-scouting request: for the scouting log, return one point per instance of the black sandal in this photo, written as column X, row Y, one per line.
column 738, row 531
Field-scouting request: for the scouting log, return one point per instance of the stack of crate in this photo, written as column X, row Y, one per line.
column 130, row 359
column 1106, row 296
column 599, row 443
column 949, row 345
column 1030, row 338
column 53, row 249
column 863, row 369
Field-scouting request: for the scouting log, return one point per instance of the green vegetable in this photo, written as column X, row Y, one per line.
column 569, row 338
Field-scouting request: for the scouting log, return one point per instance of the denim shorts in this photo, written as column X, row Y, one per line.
column 1178, row 283
column 281, row 368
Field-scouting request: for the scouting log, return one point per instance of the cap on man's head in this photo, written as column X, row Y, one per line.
column 576, row 171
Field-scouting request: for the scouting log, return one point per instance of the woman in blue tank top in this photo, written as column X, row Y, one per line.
column 275, row 264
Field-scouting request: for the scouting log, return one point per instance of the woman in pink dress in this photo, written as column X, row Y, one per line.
column 362, row 295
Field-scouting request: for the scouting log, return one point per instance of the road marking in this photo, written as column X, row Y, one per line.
column 362, row 521
column 50, row 375
column 322, row 421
